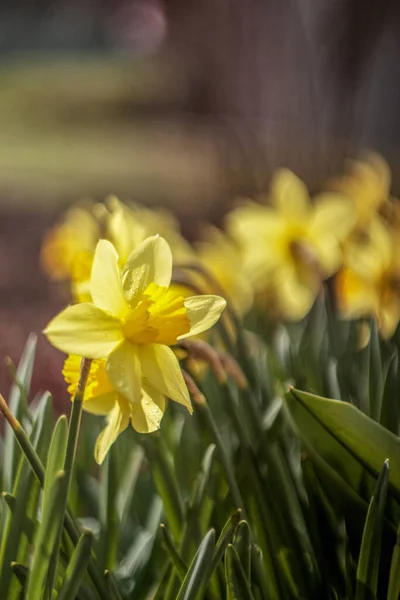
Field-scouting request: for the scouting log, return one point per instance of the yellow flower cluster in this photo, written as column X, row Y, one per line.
column 275, row 254
column 351, row 231
column 369, row 281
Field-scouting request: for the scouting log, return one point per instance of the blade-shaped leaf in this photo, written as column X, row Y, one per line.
column 199, row 570
column 365, row 439
column 368, row 562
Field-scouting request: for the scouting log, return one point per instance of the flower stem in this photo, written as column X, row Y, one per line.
column 24, row 441
column 75, row 420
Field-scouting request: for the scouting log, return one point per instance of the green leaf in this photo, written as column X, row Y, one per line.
column 394, row 579
column 390, row 410
column 225, row 537
column 238, row 587
column 176, row 559
column 192, row 585
column 55, row 464
column 108, row 517
column 242, row 546
column 165, row 482
column 375, row 388
column 56, row 455
column 47, row 536
column 27, row 525
column 368, row 562
column 112, row 586
column 370, row 443
column 21, row 573
column 14, row 546
column 77, row 568
column 18, row 406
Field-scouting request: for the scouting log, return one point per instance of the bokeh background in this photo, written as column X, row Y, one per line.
column 181, row 103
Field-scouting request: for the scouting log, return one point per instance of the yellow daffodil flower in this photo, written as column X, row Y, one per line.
column 369, row 284
column 127, row 226
column 292, row 246
column 68, row 248
column 223, row 259
column 367, row 184
column 132, row 321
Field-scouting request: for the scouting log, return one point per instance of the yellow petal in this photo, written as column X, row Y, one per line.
column 124, row 227
column 102, row 404
column 105, row 283
column 329, row 254
column 146, row 415
column 80, row 291
column 123, row 369
column 290, row 195
column 357, row 297
column 117, row 422
column 333, row 214
column 150, row 262
column 251, row 223
column 84, row 330
column 203, row 312
column 160, row 366
column 389, row 314
column 295, row 297
column 368, row 251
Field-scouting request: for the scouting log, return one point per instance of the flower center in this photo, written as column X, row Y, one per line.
column 159, row 317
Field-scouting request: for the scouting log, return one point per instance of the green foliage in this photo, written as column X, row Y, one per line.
column 265, row 493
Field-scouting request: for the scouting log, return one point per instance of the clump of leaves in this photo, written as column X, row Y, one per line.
column 266, row 492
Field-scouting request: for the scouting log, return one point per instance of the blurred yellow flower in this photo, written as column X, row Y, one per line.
column 127, row 226
column 68, row 248
column 369, row 285
column 223, row 259
column 366, row 183
column 132, row 321
column 290, row 247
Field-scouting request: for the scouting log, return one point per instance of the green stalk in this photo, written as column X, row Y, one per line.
column 75, row 420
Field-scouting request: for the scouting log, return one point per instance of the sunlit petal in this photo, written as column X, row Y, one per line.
column 146, row 415
column 117, row 422
column 203, row 312
column 160, row 366
column 150, row 262
column 85, row 330
column 105, row 283
column 102, row 404
column 123, row 369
